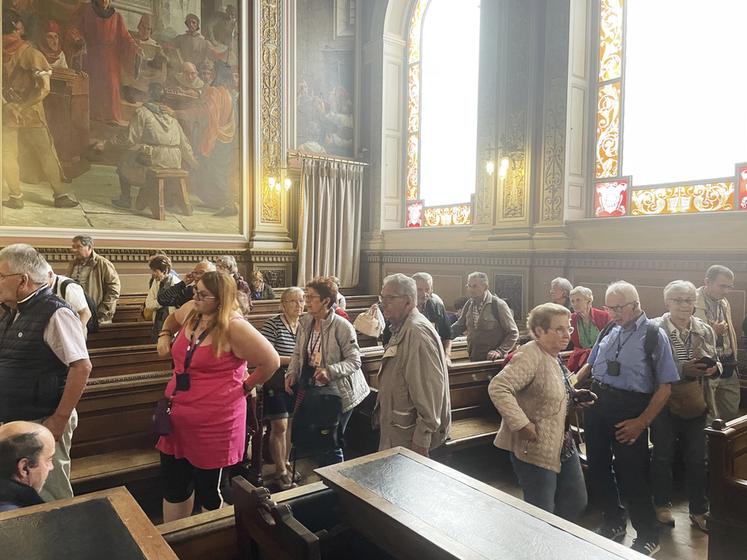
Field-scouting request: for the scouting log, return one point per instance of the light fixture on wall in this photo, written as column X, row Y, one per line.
column 503, row 168
column 277, row 184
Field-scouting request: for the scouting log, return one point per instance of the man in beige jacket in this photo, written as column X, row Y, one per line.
column 97, row 275
column 413, row 406
column 712, row 307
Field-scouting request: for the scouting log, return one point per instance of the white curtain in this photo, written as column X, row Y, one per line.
column 330, row 234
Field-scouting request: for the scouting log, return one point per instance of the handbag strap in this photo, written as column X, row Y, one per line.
column 193, row 345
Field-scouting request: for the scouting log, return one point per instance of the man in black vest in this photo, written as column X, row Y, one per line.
column 44, row 362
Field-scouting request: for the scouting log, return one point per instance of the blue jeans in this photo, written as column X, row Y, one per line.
column 665, row 431
column 335, row 456
column 563, row 494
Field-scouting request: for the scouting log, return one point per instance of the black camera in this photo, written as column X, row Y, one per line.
column 182, row 382
column 613, row 368
column 583, row 396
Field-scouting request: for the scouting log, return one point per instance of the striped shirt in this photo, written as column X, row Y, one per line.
column 681, row 342
column 279, row 335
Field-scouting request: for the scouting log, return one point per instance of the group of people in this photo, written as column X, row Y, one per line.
column 628, row 372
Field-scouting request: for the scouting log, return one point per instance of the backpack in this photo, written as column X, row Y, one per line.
column 93, row 322
column 316, row 417
column 650, row 342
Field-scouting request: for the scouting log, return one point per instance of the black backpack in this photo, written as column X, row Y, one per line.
column 650, row 343
column 93, row 322
column 316, row 418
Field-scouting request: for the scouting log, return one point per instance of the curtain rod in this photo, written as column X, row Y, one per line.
column 322, row 157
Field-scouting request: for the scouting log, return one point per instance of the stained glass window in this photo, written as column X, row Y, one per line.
column 442, row 86
column 670, row 108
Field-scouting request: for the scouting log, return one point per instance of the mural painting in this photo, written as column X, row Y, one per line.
column 121, row 116
column 325, row 76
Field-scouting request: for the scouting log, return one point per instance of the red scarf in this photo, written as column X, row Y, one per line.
column 12, row 43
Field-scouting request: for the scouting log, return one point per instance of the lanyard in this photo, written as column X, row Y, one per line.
column 624, row 342
column 194, row 344
column 315, row 343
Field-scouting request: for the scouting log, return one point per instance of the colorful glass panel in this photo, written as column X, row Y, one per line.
column 608, row 131
column 611, row 198
column 416, row 24
column 610, row 40
column 458, row 215
column 683, row 199
column 742, row 175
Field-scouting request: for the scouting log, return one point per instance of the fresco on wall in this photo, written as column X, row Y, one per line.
column 325, row 75
column 121, row 117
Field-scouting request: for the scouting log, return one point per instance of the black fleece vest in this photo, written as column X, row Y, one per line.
column 32, row 378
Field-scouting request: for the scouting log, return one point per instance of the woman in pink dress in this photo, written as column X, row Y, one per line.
column 208, row 402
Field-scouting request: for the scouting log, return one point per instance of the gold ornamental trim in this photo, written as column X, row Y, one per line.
column 270, row 106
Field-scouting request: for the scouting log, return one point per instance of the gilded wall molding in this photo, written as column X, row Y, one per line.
column 274, row 256
column 271, row 89
column 124, row 255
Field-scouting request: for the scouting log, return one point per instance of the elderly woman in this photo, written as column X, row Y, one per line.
column 560, row 292
column 327, row 349
column 228, row 265
column 161, row 280
column 587, row 323
column 533, row 395
column 281, row 331
column 684, row 417
column 207, row 393
column 259, row 289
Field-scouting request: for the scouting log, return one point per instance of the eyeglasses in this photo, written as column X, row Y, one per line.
column 682, row 301
column 201, row 296
column 313, row 296
column 560, row 331
column 388, row 299
column 619, row 308
column 4, row 276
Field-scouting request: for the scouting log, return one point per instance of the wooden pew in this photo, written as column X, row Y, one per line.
column 727, row 458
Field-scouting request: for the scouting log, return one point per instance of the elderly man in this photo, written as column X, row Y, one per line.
column 97, row 275
column 412, row 408
column 72, row 293
column 179, row 294
column 632, row 370
column 44, row 363
column 560, row 292
column 489, row 322
column 712, row 306
column 26, row 459
column 432, row 306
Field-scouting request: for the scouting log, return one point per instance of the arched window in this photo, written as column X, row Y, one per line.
column 443, row 54
column 671, row 110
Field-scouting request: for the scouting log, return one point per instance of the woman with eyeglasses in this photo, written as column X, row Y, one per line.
column 281, row 331
column 693, row 345
column 207, row 393
column 533, row 396
column 587, row 323
column 327, row 353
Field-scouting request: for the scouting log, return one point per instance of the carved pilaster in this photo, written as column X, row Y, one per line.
column 271, row 106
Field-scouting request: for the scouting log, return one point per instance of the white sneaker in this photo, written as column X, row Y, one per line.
column 664, row 515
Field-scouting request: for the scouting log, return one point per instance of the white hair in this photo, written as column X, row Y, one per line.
column 622, row 288
column 208, row 264
column 403, row 286
column 228, row 262
column 563, row 283
column 288, row 292
column 24, row 259
column 583, row 291
column 424, row 277
column 479, row 275
column 680, row 287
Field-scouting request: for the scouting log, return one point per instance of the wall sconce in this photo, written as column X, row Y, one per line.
column 490, row 167
column 278, row 185
column 503, row 169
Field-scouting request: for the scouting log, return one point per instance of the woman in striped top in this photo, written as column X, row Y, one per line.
column 281, row 331
column 693, row 344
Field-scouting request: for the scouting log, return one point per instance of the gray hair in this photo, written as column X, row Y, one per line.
column 563, row 283
column 623, row 288
column 85, row 240
column 715, row 269
column 404, row 286
column 424, row 277
column 228, row 262
column 582, row 291
column 288, row 292
column 541, row 316
column 480, row 276
column 24, row 259
column 680, row 286
column 210, row 265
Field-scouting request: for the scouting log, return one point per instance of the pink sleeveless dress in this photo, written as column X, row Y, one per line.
column 209, row 420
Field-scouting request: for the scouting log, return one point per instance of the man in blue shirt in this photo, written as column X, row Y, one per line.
column 630, row 396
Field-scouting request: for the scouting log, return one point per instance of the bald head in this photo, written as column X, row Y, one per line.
column 26, row 451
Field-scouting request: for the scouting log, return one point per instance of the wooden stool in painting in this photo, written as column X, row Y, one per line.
column 158, row 179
